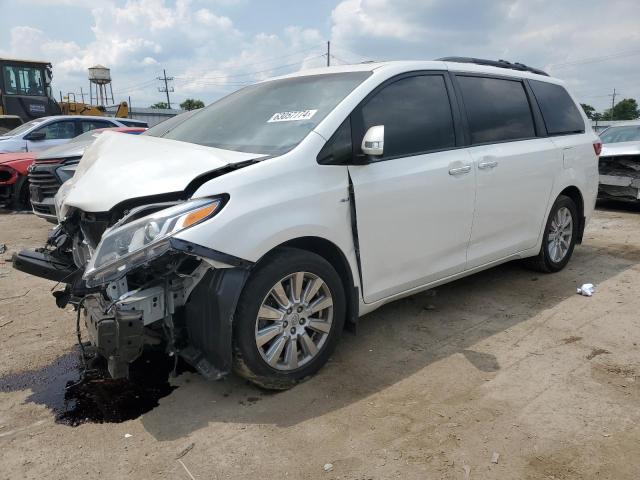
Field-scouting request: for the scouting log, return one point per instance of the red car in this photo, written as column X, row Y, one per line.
column 14, row 183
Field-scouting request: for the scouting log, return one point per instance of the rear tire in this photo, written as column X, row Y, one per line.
column 21, row 198
column 289, row 318
column 559, row 237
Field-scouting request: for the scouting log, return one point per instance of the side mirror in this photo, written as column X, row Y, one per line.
column 373, row 141
column 35, row 136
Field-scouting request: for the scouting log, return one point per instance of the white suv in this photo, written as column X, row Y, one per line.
column 253, row 232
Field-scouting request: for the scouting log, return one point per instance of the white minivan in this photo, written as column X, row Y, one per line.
column 248, row 236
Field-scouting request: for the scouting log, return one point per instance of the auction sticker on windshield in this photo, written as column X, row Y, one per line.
column 292, row 116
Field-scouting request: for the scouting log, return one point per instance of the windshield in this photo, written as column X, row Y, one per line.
column 269, row 118
column 21, row 80
column 628, row 133
column 24, row 127
column 163, row 127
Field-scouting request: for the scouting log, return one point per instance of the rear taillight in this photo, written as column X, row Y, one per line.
column 597, row 147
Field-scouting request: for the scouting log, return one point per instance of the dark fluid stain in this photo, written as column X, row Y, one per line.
column 76, row 397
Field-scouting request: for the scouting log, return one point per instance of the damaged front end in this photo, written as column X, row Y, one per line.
column 619, row 176
column 137, row 286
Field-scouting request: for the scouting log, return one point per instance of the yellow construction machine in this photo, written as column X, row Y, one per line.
column 25, row 94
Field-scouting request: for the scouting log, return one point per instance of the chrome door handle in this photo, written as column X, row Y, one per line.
column 486, row 165
column 460, row 170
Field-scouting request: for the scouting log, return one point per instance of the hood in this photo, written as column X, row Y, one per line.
column 120, row 167
column 7, row 158
column 66, row 150
column 12, row 144
column 621, row 148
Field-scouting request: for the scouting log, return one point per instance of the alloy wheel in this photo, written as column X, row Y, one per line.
column 560, row 234
column 294, row 321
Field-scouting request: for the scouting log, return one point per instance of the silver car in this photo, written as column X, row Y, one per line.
column 619, row 164
column 47, row 132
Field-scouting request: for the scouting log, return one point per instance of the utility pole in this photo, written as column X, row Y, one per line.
column 613, row 102
column 82, row 94
column 328, row 54
column 166, row 87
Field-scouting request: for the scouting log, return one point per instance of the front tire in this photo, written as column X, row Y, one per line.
column 289, row 318
column 559, row 239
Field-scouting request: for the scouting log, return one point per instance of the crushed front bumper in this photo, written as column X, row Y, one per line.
column 188, row 313
column 619, row 188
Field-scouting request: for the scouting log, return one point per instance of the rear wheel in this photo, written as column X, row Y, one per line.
column 289, row 318
column 559, row 238
column 21, row 198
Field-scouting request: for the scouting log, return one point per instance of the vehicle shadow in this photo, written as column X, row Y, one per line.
column 392, row 344
column 618, row 206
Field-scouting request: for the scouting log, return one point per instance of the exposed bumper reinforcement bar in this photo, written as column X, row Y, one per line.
column 118, row 337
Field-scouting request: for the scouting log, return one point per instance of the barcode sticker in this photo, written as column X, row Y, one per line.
column 292, row 116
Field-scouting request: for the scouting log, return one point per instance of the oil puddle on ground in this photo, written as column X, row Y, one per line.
column 76, row 398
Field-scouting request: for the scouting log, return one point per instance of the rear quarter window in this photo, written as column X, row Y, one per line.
column 560, row 114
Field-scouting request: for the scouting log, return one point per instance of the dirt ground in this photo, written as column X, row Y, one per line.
column 505, row 362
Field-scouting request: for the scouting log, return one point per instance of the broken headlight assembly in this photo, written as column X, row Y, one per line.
column 129, row 244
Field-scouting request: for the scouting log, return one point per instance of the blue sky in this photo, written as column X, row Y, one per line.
column 213, row 47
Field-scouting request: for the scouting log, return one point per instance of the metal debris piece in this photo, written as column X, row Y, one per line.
column 328, row 467
column 185, row 450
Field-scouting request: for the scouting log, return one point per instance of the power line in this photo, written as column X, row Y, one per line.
column 602, row 58
column 244, row 74
column 356, row 58
column 243, row 65
column 344, row 62
column 136, row 86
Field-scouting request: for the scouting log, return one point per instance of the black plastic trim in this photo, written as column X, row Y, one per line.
column 209, row 320
column 521, row 67
column 538, row 119
column 205, row 252
column 44, row 265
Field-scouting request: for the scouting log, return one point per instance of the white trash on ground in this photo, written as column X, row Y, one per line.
column 587, row 289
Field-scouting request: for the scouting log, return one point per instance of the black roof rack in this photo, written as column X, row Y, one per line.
column 495, row 63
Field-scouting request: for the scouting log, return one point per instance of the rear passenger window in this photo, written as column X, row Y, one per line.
column 416, row 115
column 497, row 110
column 560, row 114
column 93, row 124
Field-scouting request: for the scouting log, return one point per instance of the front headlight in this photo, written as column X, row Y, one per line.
column 126, row 246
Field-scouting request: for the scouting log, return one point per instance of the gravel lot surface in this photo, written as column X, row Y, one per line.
column 506, row 365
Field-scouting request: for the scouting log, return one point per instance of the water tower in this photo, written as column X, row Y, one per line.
column 99, row 80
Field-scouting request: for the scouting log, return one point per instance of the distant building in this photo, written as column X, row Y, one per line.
column 152, row 116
